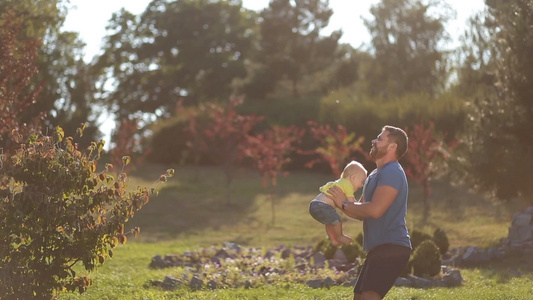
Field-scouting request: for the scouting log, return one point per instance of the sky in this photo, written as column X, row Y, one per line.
column 89, row 18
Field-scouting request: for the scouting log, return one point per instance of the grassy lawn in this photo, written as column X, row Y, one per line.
column 192, row 212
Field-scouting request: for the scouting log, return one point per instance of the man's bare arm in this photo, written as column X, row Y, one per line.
column 381, row 200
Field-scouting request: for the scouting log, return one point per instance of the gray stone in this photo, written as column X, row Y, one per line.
column 212, row 285
column 529, row 210
column 315, row 283
column 328, row 282
column 469, row 253
column 222, row 254
column 196, row 283
column 319, row 261
column 340, row 256
column 269, row 254
column 420, row 282
column 232, row 246
column 521, row 219
column 453, row 278
column 171, row 283
column 286, row 253
column 247, row 284
column 157, row 262
column 402, row 281
column 524, row 232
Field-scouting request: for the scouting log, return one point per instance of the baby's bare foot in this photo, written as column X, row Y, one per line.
column 335, row 242
column 344, row 240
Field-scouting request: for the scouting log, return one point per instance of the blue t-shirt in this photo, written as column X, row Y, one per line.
column 390, row 227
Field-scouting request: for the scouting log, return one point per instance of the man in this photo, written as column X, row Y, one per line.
column 382, row 207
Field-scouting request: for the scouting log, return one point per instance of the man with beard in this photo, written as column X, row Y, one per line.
column 382, row 207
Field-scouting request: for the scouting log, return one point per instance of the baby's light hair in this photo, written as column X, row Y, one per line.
column 352, row 168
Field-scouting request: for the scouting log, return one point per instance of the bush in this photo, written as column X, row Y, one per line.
column 326, row 248
column 365, row 116
column 426, row 259
column 352, row 251
column 441, row 240
column 169, row 143
column 56, row 211
column 417, row 237
column 359, row 239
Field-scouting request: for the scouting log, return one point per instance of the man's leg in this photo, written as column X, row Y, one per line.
column 380, row 270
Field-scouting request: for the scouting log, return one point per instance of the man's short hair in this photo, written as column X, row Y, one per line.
column 399, row 137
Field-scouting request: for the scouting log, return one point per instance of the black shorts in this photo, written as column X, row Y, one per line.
column 382, row 266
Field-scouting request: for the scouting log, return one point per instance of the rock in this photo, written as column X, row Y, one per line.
column 247, row 284
column 521, row 219
column 340, row 256
column 286, row 253
column 315, row 283
column 469, row 253
column 171, row 283
column 319, row 261
column 196, row 283
column 212, row 285
column 453, row 278
column 328, row 282
column 420, row 282
column 402, row 281
column 232, row 246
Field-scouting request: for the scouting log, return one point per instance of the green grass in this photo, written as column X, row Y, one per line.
column 192, row 212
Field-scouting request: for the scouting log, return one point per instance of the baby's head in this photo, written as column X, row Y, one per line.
column 355, row 173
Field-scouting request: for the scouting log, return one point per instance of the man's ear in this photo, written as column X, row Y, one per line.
column 392, row 146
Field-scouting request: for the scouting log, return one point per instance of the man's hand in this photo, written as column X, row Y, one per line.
column 337, row 195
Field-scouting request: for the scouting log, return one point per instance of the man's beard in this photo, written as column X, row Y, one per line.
column 377, row 153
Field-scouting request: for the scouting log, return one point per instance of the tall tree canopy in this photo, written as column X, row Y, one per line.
column 67, row 91
column 290, row 45
column 406, row 37
column 502, row 140
column 181, row 49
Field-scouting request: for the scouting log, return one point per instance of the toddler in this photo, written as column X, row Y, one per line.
column 322, row 208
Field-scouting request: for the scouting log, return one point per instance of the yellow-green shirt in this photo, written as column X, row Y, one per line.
column 343, row 183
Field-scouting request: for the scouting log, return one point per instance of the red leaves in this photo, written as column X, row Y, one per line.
column 17, row 67
column 337, row 146
column 423, row 151
column 269, row 151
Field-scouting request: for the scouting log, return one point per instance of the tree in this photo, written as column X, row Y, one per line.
column 290, row 46
column 336, row 146
column 406, row 37
column 67, row 86
column 127, row 142
column 500, row 138
column 422, row 158
column 269, row 152
column 56, row 211
column 185, row 49
column 221, row 135
column 17, row 69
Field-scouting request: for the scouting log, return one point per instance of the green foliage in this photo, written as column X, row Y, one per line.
column 426, row 259
column 57, row 210
column 352, row 251
column 359, row 239
column 441, row 240
column 406, row 40
column 417, row 237
column 291, row 45
column 366, row 115
column 178, row 49
column 326, row 248
column 500, row 134
column 169, row 143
